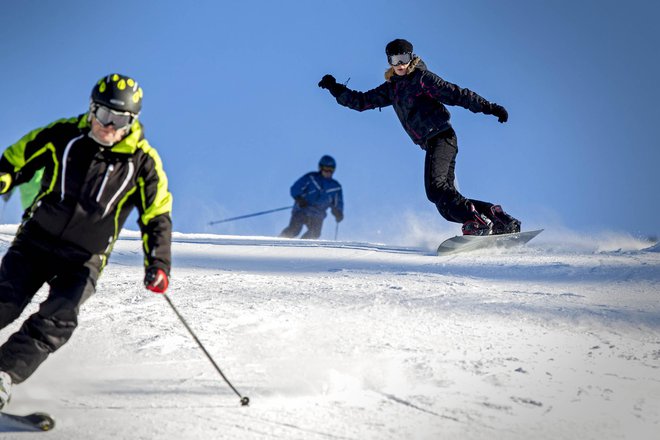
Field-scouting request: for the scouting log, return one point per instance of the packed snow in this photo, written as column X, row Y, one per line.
column 559, row 339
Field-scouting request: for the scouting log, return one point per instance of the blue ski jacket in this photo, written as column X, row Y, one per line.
column 319, row 193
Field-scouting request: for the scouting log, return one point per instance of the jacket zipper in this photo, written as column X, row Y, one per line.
column 131, row 168
column 65, row 157
column 105, row 180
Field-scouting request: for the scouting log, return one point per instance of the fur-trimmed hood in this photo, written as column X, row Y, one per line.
column 416, row 63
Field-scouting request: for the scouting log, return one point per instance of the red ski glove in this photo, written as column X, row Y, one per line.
column 155, row 279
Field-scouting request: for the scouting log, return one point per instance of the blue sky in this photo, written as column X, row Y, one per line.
column 232, row 103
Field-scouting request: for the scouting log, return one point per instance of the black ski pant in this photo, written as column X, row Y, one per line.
column 27, row 265
column 300, row 219
column 439, row 166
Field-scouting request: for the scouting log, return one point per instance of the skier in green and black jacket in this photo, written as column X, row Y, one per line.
column 97, row 167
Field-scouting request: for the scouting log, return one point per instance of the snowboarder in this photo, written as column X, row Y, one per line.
column 419, row 98
column 314, row 193
column 97, row 167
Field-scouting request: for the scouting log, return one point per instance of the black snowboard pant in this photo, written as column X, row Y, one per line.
column 27, row 265
column 439, row 166
column 300, row 219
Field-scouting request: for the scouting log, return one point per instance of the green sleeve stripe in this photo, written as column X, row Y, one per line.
column 162, row 203
column 15, row 154
column 145, row 246
column 56, row 165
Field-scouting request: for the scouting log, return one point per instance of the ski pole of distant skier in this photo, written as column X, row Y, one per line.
column 249, row 215
column 336, row 231
column 245, row 400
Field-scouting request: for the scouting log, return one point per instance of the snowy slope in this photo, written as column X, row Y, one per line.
column 334, row 340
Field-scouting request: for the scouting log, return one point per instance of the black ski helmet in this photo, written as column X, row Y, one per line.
column 118, row 92
column 398, row 47
column 328, row 162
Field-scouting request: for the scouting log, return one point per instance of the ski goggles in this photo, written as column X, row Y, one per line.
column 329, row 169
column 107, row 116
column 402, row 58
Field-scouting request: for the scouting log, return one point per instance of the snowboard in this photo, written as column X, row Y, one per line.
column 32, row 422
column 465, row 243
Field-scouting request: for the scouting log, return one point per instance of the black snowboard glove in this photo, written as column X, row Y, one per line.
column 339, row 216
column 329, row 82
column 501, row 113
column 301, row 202
column 497, row 111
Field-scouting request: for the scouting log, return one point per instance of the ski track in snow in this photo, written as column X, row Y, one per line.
column 347, row 340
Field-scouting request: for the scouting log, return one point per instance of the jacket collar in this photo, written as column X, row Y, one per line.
column 128, row 145
column 415, row 64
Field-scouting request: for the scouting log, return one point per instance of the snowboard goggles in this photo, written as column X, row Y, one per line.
column 402, row 58
column 330, row 169
column 107, row 116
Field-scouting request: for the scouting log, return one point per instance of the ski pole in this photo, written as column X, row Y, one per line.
column 5, row 198
column 336, row 230
column 250, row 215
column 245, row 400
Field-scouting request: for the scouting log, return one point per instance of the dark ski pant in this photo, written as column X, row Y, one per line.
column 300, row 219
column 439, row 165
column 26, row 266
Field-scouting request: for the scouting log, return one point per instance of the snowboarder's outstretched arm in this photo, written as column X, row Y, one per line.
column 360, row 101
column 451, row 94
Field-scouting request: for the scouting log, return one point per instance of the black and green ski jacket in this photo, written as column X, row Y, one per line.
column 88, row 190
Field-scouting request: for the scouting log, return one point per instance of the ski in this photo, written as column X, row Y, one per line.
column 38, row 421
column 465, row 243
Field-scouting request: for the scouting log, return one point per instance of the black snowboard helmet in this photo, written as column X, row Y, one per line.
column 327, row 162
column 118, row 92
column 398, row 47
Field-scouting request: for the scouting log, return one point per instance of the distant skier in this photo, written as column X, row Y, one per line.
column 97, row 167
column 314, row 193
column 419, row 97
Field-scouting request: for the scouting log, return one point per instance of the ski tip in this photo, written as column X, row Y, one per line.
column 39, row 421
column 245, row 401
column 46, row 422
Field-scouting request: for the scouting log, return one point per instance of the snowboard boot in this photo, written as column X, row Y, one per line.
column 5, row 389
column 503, row 223
column 479, row 225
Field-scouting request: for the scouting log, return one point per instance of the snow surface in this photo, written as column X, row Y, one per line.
column 345, row 340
